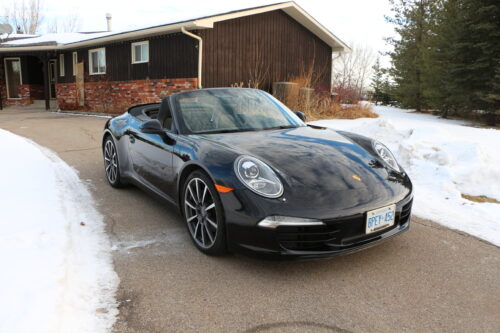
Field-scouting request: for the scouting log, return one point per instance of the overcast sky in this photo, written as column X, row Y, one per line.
column 353, row 21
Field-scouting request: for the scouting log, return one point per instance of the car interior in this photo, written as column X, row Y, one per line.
column 160, row 111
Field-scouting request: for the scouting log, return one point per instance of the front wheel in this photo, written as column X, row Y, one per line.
column 203, row 214
column 111, row 165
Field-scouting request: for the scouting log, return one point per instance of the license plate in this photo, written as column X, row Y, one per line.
column 379, row 219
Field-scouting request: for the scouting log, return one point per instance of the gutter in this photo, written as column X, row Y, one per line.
column 200, row 52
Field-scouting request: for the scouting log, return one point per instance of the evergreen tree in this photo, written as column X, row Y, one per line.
column 478, row 55
column 377, row 82
column 439, row 56
column 411, row 20
column 447, row 55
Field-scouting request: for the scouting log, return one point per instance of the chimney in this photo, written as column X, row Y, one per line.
column 108, row 20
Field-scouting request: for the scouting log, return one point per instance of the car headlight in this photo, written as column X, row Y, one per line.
column 258, row 176
column 386, row 155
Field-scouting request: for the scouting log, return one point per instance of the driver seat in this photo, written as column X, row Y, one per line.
column 165, row 115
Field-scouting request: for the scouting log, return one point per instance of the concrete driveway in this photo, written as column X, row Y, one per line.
column 430, row 279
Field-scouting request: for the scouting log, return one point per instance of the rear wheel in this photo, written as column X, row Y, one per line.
column 203, row 214
column 111, row 165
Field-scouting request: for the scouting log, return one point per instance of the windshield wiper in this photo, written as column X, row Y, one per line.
column 233, row 131
column 280, row 127
column 249, row 129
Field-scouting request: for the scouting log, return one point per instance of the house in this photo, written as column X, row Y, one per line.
column 107, row 71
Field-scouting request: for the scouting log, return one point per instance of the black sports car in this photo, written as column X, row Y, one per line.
column 249, row 175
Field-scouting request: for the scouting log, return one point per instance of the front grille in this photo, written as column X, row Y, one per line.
column 313, row 238
column 337, row 234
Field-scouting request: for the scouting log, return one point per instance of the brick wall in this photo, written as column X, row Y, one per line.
column 36, row 91
column 116, row 96
column 28, row 92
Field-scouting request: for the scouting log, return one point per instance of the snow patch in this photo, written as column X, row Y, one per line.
column 58, row 274
column 444, row 159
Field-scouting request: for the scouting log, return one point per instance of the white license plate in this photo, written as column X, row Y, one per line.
column 381, row 218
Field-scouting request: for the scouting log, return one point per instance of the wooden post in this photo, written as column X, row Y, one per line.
column 80, row 85
column 46, row 91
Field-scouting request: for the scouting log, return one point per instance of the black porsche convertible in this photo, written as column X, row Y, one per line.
column 249, row 175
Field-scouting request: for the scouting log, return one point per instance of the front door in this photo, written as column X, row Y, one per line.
column 52, row 78
column 13, row 77
column 152, row 160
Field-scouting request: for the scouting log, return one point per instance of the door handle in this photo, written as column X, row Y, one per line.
column 131, row 138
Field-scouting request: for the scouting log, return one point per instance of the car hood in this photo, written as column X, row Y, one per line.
column 318, row 164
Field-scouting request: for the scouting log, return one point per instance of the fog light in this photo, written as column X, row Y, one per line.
column 276, row 221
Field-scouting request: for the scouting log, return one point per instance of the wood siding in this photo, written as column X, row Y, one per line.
column 271, row 42
column 170, row 56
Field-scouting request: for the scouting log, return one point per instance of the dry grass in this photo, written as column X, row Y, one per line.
column 328, row 109
column 480, row 198
column 317, row 106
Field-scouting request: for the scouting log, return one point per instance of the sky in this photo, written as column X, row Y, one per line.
column 353, row 21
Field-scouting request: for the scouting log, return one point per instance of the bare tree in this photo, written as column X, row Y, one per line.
column 25, row 16
column 71, row 23
column 352, row 70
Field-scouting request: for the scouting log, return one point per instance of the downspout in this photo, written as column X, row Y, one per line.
column 200, row 52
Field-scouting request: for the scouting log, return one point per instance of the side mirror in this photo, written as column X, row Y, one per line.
column 301, row 115
column 152, row 127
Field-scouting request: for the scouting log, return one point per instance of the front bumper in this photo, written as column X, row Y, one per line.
column 338, row 236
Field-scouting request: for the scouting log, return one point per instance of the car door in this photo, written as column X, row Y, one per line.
column 151, row 156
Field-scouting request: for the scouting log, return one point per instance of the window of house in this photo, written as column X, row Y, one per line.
column 140, row 52
column 61, row 65
column 74, row 57
column 97, row 61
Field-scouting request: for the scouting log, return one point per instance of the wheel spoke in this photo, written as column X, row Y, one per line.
column 191, row 206
column 212, row 223
column 204, row 193
column 202, row 236
column 208, row 233
column 196, row 229
column 192, row 195
column 197, row 190
column 210, row 207
column 192, row 218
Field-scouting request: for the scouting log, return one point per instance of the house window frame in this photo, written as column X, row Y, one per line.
column 61, row 65
column 74, row 61
column 20, row 75
column 132, row 45
column 90, row 61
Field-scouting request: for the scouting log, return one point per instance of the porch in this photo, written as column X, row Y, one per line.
column 28, row 80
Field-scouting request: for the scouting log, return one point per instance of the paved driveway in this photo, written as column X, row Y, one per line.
column 428, row 279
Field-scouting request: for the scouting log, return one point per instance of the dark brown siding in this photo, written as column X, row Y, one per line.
column 170, row 56
column 273, row 43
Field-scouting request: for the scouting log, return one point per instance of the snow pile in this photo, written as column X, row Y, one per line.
column 444, row 159
column 57, row 273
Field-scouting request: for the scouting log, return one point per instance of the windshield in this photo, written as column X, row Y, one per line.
column 231, row 110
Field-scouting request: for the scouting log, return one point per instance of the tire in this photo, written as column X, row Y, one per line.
column 111, row 163
column 203, row 214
